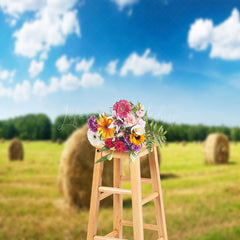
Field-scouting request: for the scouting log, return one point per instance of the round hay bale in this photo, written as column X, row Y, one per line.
column 2, row 140
column 216, row 149
column 15, row 150
column 59, row 141
column 184, row 143
column 145, row 169
column 76, row 171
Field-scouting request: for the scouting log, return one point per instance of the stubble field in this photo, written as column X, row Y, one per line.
column 201, row 201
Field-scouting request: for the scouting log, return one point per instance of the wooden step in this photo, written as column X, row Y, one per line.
column 145, row 225
column 107, row 238
column 150, row 198
column 104, row 195
column 115, row 190
column 143, row 180
column 112, row 234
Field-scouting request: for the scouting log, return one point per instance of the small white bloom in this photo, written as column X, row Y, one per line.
column 94, row 138
column 141, row 107
column 101, row 115
column 138, row 129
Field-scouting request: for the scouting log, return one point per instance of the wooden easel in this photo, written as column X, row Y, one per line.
column 100, row 192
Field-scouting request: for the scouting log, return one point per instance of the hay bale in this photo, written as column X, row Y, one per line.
column 76, row 171
column 2, row 140
column 145, row 169
column 216, row 149
column 184, row 143
column 15, row 150
column 59, row 141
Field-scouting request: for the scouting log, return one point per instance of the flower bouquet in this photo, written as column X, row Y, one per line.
column 126, row 130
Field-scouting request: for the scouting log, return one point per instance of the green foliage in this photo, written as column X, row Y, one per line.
column 64, row 125
column 154, row 134
column 31, row 126
column 39, row 127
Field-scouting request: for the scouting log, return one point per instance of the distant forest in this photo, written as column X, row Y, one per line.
column 40, row 127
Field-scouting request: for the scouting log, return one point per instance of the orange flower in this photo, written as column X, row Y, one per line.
column 104, row 129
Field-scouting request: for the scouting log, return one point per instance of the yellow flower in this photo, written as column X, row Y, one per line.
column 104, row 129
column 137, row 139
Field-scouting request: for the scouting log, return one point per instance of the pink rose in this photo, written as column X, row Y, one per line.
column 140, row 113
column 141, row 122
column 130, row 120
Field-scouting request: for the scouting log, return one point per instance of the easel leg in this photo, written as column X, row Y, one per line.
column 95, row 200
column 117, row 198
column 135, row 177
column 158, row 202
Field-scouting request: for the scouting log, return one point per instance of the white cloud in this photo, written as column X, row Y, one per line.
column 40, row 88
column 50, row 27
column 91, row 80
column 22, row 91
column 7, row 75
column 124, row 3
column 5, row 91
column 224, row 38
column 54, row 85
column 17, row 7
column 140, row 65
column 69, row 82
column 35, row 68
column 200, row 34
column 84, row 65
column 63, row 64
column 111, row 67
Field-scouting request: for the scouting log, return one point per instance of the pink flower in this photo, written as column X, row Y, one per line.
column 141, row 122
column 130, row 120
column 122, row 108
column 140, row 113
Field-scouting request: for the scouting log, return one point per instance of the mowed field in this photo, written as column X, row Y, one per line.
column 202, row 202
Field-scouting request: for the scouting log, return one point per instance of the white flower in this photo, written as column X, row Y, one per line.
column 138, row 129
column 94, row 138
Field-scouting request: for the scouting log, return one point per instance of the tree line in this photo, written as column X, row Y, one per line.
column 40, row 127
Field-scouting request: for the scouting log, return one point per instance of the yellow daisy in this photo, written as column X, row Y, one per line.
column 137, row 139
column 104, row 129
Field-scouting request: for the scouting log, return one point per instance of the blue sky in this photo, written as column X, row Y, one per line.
column 179, row 58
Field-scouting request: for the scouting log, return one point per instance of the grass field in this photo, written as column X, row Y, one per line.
column 201, row 202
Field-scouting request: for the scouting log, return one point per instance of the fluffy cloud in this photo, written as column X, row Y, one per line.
column 140, row 65
column 63, row 64
column 91, row 80
column 69, row 82
column 224, row 38
column 84, row 65
column 50, row 27
column 7, row 75
column 41, row 89
column 17, row 7
column 111, row 67
column 35, row 68
column 124, row 3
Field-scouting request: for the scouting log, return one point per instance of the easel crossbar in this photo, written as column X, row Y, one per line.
column 145, row 225
column 115, row 190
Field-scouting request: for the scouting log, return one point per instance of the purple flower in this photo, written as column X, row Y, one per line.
column 136, row 148
column 126, row 148
column 127, row 140
column 92, row 123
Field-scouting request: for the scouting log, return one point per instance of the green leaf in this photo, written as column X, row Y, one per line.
column 106, row 157
column 132, row 156
column 110, row 156
column 104, row 148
